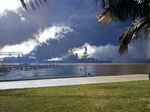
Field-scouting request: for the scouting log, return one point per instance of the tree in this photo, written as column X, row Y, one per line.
column 136, row 10
column 122, row 10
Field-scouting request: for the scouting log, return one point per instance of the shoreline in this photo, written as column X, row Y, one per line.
column 71, row 81
column 62, row 77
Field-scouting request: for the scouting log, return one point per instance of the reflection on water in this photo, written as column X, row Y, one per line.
column 76, row 70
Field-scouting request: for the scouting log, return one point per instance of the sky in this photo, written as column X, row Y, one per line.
column 51, row 30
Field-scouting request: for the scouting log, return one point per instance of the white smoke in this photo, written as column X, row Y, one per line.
column 26, row 47
column 137, row 50
column 53, row 32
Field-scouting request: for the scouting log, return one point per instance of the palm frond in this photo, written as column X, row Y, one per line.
column 32, row 3
column 129, row 9
column 140, row 28
column 125, row 9
column 105, row 17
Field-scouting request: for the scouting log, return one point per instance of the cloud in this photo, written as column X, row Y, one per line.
column 105, row 52
column 25, row 47
column 13, row 30
column 54, row 59
column 137, row 51
column 60, row 25
column 9, row 5
column 22, row 24
column 53, row 32
column 98, row 52
column 39, row 38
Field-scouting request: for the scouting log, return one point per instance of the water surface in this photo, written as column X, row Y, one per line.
column 78, row 70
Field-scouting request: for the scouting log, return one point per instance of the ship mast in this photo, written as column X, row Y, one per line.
column 71, row 51
column 85, row 55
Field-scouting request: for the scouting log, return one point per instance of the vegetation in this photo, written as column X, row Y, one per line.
column 114, row 97
column 123, row 10
column 31, row 2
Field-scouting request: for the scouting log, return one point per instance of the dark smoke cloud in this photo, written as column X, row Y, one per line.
column 81, row 17
column 13, row 30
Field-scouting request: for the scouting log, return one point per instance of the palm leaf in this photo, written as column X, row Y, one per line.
column 130, row 9
column 125, row 9
column 140, row 28
column 32, row 3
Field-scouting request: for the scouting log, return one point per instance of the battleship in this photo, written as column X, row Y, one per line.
column 74, row 58
column 71, row 58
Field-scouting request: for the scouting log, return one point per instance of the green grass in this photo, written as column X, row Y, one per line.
column 110, row 97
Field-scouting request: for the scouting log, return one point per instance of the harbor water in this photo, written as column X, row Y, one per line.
column 77, row 70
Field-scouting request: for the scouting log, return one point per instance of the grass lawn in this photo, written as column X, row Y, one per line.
column 109, row 97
